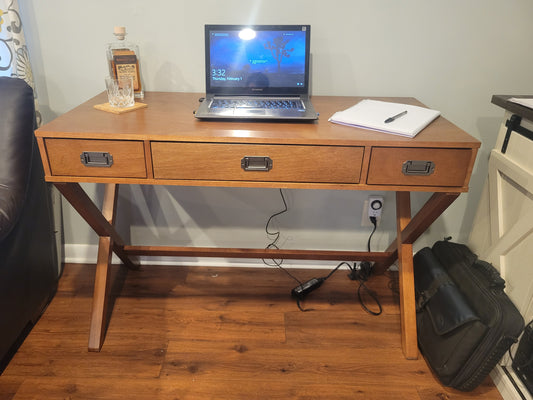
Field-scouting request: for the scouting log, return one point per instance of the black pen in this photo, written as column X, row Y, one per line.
column 395, row 117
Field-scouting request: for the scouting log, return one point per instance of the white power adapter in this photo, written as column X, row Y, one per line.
column 375, row 206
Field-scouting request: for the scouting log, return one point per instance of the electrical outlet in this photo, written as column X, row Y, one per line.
column 372, row 208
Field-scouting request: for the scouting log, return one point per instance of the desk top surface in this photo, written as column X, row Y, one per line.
column 169, row 116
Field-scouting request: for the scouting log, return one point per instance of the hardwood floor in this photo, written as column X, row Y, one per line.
column 221, row 333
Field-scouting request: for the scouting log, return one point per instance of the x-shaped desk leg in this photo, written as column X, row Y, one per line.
column 408, row 230
column 102, row 223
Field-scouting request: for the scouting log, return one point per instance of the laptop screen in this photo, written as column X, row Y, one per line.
column 260, row 59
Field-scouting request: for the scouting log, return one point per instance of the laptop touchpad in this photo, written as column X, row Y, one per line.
column 253, row 111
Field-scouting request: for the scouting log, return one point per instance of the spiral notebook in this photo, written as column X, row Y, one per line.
column 372, row 114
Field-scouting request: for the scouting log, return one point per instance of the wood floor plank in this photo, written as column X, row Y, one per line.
column 485, row 391
column 221, row 333
column 244, row 360
column 9, row 386
column 351, row 327
column 137, row 356
column 142, row 389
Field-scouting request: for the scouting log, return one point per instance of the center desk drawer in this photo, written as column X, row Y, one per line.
column 98, row 158
column 419, row 166
column 269, row 163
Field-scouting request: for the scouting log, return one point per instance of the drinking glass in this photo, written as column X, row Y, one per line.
column 120, row 92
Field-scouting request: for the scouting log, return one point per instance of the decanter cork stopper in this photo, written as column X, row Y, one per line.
column 120, row 32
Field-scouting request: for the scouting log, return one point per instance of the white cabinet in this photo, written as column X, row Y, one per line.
column 502, row 233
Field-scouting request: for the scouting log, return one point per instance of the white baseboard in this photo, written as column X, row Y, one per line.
column 86, row 254
column 509, row 385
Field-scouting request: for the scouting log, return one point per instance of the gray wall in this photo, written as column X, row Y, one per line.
column 452, row 55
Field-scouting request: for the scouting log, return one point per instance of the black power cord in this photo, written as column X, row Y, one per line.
column 375, row 223
column 300, row 292
column 275, row 237
column 361, row 273
column 303, row 289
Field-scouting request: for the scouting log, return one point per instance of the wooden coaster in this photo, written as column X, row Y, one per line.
column 117, row 110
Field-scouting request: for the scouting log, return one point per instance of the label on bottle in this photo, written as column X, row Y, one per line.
column 125, row 64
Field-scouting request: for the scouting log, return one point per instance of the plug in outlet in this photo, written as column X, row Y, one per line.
column 372, row 207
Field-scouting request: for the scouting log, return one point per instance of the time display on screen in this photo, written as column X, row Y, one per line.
column 218, row 72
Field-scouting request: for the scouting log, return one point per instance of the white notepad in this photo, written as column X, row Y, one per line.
column 526, row 102
column 371, row 114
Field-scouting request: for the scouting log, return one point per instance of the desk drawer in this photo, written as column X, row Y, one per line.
column 289, row 163
column 419, row 166
column 99, row 158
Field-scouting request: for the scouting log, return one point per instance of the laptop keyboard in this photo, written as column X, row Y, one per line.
column 269, row 104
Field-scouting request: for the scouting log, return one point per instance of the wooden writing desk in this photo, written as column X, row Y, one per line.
column 164, row 144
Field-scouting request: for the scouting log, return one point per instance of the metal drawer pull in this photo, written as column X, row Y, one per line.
column 413, row 167
column 96, row 159
column 256, row 163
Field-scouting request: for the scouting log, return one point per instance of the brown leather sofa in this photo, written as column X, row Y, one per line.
column 28, row 256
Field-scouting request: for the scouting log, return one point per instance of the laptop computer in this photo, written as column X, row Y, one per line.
column 257, row 72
